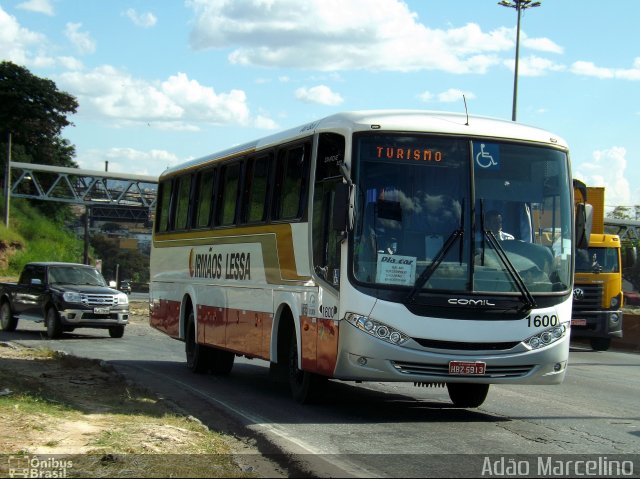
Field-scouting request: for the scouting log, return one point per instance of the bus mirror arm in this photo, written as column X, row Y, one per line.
column 344, row 171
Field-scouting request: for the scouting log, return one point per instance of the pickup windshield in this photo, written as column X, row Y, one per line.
column 425, row 206
column 75, row 275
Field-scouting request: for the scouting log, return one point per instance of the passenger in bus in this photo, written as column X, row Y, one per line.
column 493, row 223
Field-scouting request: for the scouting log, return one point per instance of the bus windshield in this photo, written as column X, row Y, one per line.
column 450, row 214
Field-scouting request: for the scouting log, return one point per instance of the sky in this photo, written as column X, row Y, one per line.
column 162, row 82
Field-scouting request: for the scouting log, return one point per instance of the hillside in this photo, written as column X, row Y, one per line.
column 32, row 236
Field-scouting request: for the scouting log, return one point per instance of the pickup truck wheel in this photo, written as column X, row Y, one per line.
column 116, row 331
column 600, row 344
column 7, row 321
column 54, row 326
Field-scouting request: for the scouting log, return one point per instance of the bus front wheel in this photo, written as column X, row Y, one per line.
column 467, row 395
column 305, row 387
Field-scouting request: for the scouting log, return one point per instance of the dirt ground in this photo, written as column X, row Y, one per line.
column 51, row 404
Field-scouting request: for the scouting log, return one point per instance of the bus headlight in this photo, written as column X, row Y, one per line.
column 376, row 328
column 546, row 337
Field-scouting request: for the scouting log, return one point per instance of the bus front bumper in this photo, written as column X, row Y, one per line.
column 364, row 357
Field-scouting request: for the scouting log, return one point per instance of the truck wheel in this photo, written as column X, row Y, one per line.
column 305, row 387
column 467, row 395
column 7, row 321
column 116, row 331
column 54, row 326
column 198, row 356
column 600, row 344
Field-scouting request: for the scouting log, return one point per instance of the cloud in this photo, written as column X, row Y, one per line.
column 129, row 160
column 81, row 40
column 590, row 69
column 333, row 35
column 448, row 96
column 607, row 168
column 533, row 66
column 321, row 94
column 37, row 6
column 17, row 42
column 177, row 103
column 144, row 20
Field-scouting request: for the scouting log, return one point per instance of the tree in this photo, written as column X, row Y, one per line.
column 35, row 112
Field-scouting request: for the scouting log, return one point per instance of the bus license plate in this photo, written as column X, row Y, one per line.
column 101, row 310
column 578, row 322
column 465, row 368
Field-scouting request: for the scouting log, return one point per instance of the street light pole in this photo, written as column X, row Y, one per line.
column 519, row 5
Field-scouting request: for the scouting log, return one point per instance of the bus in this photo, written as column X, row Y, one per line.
column 356, row 248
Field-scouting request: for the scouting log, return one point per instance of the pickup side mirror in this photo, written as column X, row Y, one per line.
column 36, row 282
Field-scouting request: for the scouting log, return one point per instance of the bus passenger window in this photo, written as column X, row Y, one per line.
column 164, row 195
column 229, row 198
column 205, row 198
column 182, row 208
column 292, row 168
column 257, row 180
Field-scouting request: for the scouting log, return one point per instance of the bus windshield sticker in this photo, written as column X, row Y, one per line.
column 395, row 269
column 486, row 155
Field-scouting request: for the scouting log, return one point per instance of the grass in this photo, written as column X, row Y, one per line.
column 39, row 238
column 65, row 405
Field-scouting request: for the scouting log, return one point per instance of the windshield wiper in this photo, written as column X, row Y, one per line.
column 527, row 297
column 428, row 272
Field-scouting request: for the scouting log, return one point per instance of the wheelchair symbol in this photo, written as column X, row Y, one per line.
column 484, row 158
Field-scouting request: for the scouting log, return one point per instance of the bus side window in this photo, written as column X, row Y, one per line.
column 164, row 206
column 182, row 206
column 291, row 177
column 228, row 194
column 256, row 189
column 204, row 198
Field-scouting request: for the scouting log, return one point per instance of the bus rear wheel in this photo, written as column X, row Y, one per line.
column 305, row 387
column 467, row 395
column 198, row 356
column 221, row 361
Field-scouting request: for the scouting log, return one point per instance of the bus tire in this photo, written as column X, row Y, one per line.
column 305, row 387
column 221, row 362
column 197, row 355
column 466, row 395
column 600, row 344
column 54, row 326
column 8, row 322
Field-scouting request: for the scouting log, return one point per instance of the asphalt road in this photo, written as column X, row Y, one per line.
column 387, row 429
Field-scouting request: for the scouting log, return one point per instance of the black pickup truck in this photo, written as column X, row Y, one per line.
column 64, row 296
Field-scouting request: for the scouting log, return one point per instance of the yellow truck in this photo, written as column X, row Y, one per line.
column 597, row 293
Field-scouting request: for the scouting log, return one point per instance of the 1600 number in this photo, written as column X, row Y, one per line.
column 543, row 320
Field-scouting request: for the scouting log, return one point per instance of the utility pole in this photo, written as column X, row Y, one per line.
column 519, row 5
column 7, row 183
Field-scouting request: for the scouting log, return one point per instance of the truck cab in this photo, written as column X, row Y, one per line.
column 597, row 293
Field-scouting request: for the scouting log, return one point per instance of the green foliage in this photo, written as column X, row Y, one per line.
column 43, row 238
column 35, row 112
column 131, row 264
